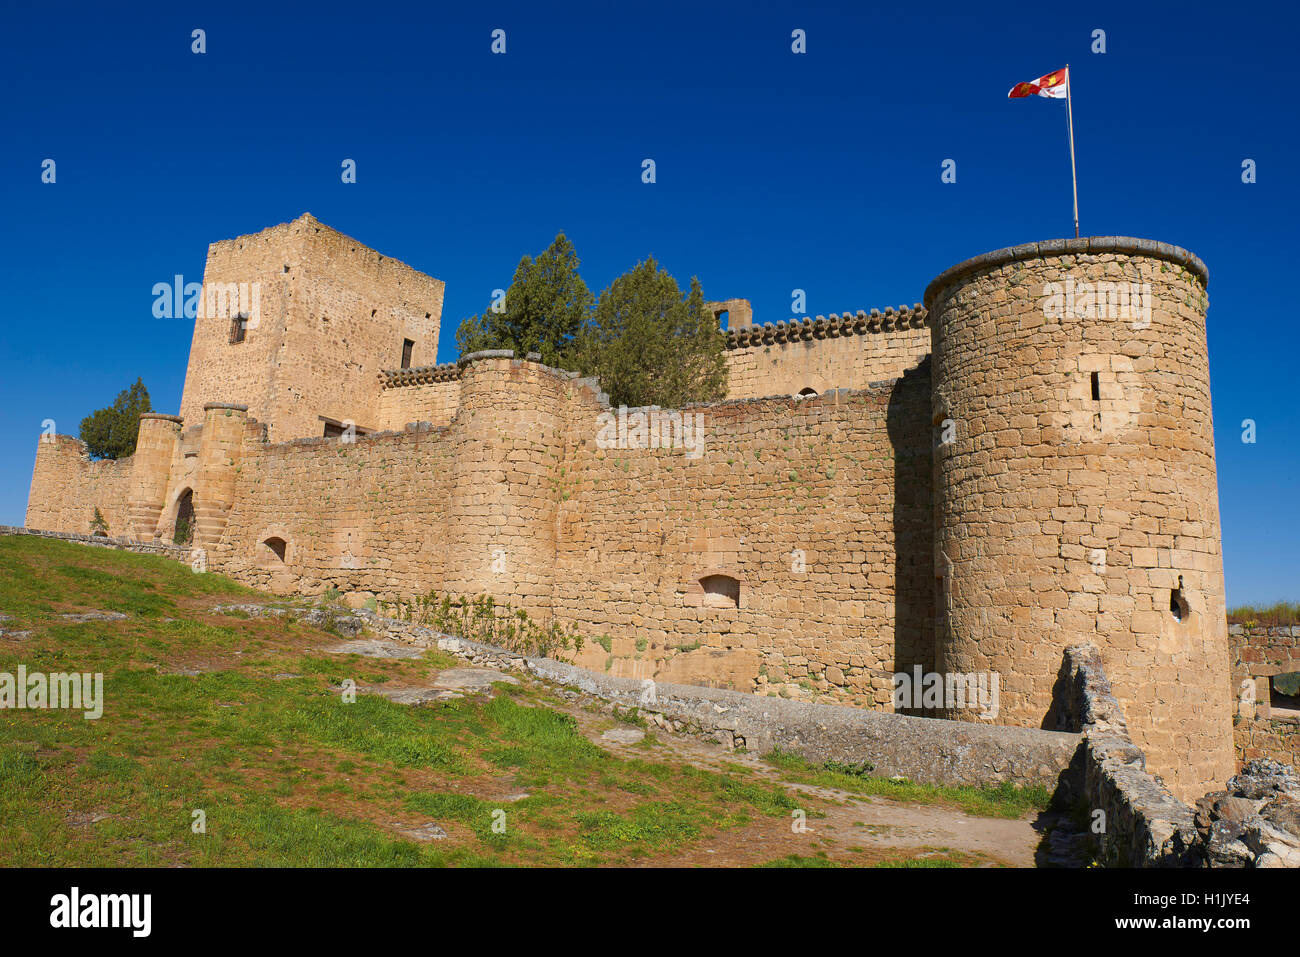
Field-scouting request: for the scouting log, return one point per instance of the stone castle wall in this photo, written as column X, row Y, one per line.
column 996, row 484
column 614, row 542
column 819, row 509
column 1266, row 724
column 353, row 516
column 67, row 487
column 839, row 352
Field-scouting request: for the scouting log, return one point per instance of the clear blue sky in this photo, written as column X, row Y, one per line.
column 775, row 171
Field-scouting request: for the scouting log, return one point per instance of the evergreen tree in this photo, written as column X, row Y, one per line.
column 545, row 308
column 110, row 433
column 650, row 345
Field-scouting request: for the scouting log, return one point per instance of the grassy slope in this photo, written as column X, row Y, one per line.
column 285, row 772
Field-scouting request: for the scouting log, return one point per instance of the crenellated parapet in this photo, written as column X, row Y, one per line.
column 834, row 326
column 812, row 355
column 424, row 375
column 423, row 394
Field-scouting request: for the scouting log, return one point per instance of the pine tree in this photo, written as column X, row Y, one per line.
column 544, row 310
column 110, row 433
column 650, row 345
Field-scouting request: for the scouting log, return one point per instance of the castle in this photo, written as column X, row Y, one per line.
column 969, row 486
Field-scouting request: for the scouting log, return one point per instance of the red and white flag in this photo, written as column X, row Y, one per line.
column 1056, row 85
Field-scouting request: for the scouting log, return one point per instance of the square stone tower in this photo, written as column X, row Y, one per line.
column 297, row 321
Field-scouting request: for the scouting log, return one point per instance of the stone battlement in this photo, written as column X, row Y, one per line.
column 822, row 327
column 423, row 375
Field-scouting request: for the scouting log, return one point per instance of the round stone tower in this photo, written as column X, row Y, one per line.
column 1075, row 490
column 220, row 449
column 508, row 436
column 151, row 465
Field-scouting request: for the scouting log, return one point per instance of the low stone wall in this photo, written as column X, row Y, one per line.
column 1275, row 738
column 1265, row 724
column 1254, row 822
column 1144, row 824
column 180, row 553
column 926, row 750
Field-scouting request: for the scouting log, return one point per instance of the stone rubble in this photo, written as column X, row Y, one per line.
column 1255, row 821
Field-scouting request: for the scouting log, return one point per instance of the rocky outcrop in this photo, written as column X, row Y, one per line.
column 1255, row 822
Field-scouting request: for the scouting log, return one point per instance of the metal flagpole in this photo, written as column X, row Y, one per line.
column 1069, row 113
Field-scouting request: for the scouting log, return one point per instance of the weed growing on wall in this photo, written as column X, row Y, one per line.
column 484, row 619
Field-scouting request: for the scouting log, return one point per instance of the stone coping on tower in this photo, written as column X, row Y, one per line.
column 162, row 415
column 1086, row 246
column 823, row 327
column 486, row 354
column 233, row 406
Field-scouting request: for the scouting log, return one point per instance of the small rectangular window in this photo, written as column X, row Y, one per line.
column 238, row 329
column 346, row 430
column 1096, row 388
column 407, row 347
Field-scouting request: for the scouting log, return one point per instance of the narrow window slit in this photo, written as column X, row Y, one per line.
column 1178, row 602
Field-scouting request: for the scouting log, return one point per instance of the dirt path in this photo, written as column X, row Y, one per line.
column 856, row 829
column 841, row 826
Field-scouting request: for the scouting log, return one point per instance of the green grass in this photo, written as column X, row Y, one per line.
column 286, row 773
column 1004, row 800
column 941, row 857
column 798, row 860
